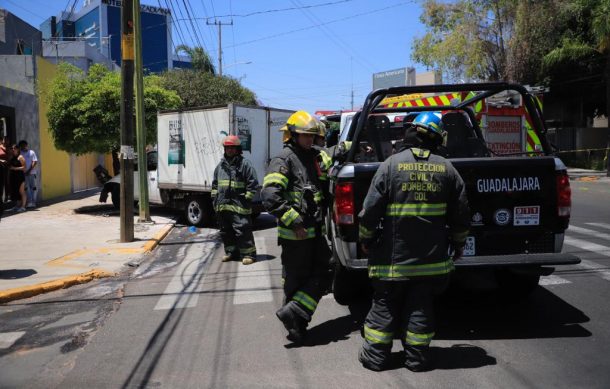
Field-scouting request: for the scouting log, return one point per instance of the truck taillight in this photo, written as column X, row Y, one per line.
column 344, row 203
column 564, row 194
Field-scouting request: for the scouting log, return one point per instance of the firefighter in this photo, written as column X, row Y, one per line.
column 419, row 201
column 233, row 189
column 293, row 192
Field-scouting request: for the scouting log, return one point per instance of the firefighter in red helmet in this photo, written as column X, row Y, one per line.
column 233, row 189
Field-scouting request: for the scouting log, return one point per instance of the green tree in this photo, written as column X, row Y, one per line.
column 582, row 55
column 84, row 110
column 197, row 89
column 466, row 39
column 200, row 59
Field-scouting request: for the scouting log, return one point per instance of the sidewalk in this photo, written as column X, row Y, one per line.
column 68, row 242
column 579, row 174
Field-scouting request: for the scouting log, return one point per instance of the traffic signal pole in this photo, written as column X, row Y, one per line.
column 127, row 153
column 140, row 128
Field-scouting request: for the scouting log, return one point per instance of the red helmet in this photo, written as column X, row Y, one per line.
column 231, row 140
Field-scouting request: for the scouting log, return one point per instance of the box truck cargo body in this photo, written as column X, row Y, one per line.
column 189, row 146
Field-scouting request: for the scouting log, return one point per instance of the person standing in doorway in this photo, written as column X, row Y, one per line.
column 31, row 173
column 5, row 157
column 17, row 179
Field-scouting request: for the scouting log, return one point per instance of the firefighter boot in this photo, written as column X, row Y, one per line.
column 227, row 257
column 293, row 323
column 248, row 260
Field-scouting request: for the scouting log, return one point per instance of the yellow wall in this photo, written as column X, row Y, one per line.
column 55, row 164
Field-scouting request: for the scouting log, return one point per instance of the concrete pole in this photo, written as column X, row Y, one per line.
column 140, row 128
column 127, row 152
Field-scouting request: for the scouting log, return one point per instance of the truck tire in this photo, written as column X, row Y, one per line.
column 198, row 211
column 349, row 285
column 516, row 285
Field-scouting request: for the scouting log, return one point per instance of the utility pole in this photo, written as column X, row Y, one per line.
column 127, row 153
column 219, row 24
column 140, row 128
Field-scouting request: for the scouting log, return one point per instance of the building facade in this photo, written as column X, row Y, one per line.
column 98, row 24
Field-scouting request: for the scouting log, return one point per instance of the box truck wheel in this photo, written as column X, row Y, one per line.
column 198, row 211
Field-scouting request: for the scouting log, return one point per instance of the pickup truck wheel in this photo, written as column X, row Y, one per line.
column 198, row 211
column 349, row 285
column 516, row 285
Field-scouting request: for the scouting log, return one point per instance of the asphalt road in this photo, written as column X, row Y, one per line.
column 184, row 319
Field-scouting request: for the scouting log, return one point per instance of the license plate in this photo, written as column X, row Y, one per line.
column 469, row 250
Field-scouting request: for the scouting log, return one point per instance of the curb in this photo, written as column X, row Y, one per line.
column 154, row 242
column 34, row 290
column 62, row 283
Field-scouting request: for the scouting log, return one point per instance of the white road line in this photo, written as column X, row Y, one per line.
column 7, row 339
column 253, row 283
column 586, row 231
column 181, row 290
column 602, row 225
column 553, row 280
column 598, row 269
column 589, row 246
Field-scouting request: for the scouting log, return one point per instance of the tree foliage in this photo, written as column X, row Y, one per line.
column 197, row 89
column 200, row 59
column 84, row 110
column 466, row 39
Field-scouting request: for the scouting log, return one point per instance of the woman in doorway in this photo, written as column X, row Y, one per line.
column 17, row 179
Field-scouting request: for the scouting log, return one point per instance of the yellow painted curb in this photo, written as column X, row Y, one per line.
column 154, row 242
column 33, row 290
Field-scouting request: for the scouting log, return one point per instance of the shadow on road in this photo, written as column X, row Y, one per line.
column 15, row 274
column 480, row 315
column 458, row 356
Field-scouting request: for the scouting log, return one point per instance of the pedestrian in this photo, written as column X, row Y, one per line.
column 5, row 156
column 31, row 173
column 419, row 199
column 17, row 167
column 293, row 193
column 233, row 189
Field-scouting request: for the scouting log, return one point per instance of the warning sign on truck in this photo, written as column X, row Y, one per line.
column 503, row 134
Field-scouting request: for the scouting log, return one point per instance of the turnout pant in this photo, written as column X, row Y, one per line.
column 236, row 234
column 304, row 270
column 405, row 308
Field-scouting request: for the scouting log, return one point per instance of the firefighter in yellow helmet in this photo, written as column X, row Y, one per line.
column 233, row 188
column 293, row 192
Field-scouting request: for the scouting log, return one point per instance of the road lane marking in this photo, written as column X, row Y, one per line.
column 253, row 282
column 553, row 280
column 181, row 292
column 586, row 231
column 7, row 339
column 588, row 246
column 602, row 225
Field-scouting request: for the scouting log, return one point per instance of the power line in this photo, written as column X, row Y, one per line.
column 232, row 15
column 335, row 38
column 325, row 23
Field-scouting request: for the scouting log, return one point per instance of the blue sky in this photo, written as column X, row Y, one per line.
column 308, row 57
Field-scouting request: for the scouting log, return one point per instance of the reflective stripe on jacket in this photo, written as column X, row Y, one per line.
column 419, row 199
column 293, row 192
column 234, row 185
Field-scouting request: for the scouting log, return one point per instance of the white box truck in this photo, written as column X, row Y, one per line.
column 189, row 146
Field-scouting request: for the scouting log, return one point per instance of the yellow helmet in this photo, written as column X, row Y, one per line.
column 301, row 122
column 321, row 129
